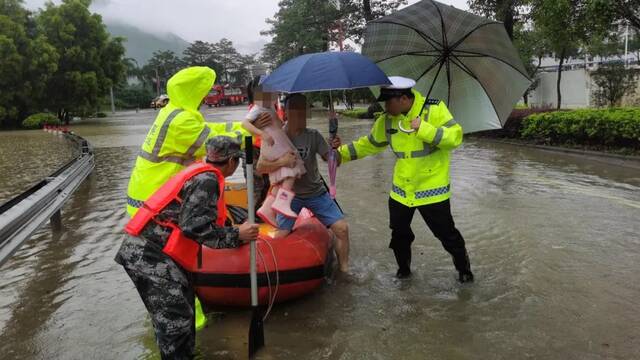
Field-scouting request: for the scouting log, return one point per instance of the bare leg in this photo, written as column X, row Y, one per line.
column 341, row 230
column 287, row 183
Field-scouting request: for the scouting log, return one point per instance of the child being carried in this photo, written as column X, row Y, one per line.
column 275, row 144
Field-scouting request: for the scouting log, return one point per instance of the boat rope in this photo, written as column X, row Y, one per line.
column 275, row 294
column 266, row 269
column 272, row 297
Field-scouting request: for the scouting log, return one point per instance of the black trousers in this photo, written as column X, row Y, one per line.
column 439, row 220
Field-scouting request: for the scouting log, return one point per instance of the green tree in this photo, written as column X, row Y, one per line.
column 564, row 23
column 26, row 63
column 613, row 82
column 241, row 74
column 356, row 13
column 201, row 53
column 133, row 71
column 299, row 27
column 627, row 11
column 509, row 12
column 306, row 26
column 228, row 60
column 133, row 96
column 161, row 66
column 532, row 47
column 231, row 66
column 605, row 46
column 90, row 62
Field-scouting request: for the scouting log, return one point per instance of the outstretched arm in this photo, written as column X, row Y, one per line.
column 371, row 144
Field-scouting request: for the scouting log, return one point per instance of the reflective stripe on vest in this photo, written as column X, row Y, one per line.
column 134, row 202
column 424, row 193
column 373, row 142
column 426, row 148
column 188, row 157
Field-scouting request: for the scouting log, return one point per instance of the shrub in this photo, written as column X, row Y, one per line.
column 133, row 96
column 37, row 121
column 513, row 126
column 355, row 113
column 613, row 81
column 373, row 109
column 617, row 127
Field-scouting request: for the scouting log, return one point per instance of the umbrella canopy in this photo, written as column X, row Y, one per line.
column 466, row 60
column 325, row 71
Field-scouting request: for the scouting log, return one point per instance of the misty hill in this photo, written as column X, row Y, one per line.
column 140, row 45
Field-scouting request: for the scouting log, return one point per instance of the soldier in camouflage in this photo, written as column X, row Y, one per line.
column 164, row 286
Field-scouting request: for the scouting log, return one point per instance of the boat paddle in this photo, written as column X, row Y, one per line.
column 256, row 329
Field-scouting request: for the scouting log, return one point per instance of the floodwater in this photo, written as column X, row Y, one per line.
column 554, row 242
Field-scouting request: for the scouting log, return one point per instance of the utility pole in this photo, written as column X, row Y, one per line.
column 626, row 46
column 157, row 83
column 113, row 105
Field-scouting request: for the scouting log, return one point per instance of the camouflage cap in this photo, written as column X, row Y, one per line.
column 222, row 148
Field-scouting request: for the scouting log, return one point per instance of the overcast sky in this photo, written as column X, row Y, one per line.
column 238, row 20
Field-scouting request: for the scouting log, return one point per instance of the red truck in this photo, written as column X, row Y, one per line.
column 225, row 95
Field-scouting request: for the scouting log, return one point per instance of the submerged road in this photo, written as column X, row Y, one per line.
column 554, row 242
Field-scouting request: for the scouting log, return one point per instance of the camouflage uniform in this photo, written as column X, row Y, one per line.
column 164, row 286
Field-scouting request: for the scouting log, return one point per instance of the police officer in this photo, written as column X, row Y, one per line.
column 421, row 133
column 198, row 214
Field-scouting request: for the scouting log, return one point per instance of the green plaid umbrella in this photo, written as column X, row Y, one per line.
column 466, row 60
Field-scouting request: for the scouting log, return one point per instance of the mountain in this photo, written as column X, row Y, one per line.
column 140, row 45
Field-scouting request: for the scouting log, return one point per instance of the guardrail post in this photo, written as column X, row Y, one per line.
column 56, row 221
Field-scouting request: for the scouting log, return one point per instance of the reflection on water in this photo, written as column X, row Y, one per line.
column 553, row 239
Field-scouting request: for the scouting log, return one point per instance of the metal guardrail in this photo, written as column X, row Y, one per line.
column 21, row 216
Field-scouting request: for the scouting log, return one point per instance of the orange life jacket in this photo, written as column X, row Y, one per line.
column 180, row 248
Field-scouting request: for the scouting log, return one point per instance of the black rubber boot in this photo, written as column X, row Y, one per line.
column 463, row 266
column 403, row 258
column 466, row 277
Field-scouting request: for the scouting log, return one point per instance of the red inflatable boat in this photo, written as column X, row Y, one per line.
column 288, row 267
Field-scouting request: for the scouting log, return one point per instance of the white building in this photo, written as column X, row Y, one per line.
column 576, row 84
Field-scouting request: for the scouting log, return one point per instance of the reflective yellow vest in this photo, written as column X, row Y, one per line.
column 421, row 172
column 177, row 136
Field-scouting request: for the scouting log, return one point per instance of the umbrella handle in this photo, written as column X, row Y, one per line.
column 403, row 129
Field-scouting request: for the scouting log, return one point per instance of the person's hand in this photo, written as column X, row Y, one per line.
column 336, row 142
column 262, row 121
column 415, row 123
column 247, row 232
column 289, row 160
column 266, row 138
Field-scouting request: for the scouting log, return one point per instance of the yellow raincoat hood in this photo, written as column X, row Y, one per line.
column 189, row 86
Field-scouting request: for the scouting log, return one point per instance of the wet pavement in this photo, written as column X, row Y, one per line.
column 554, row 242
